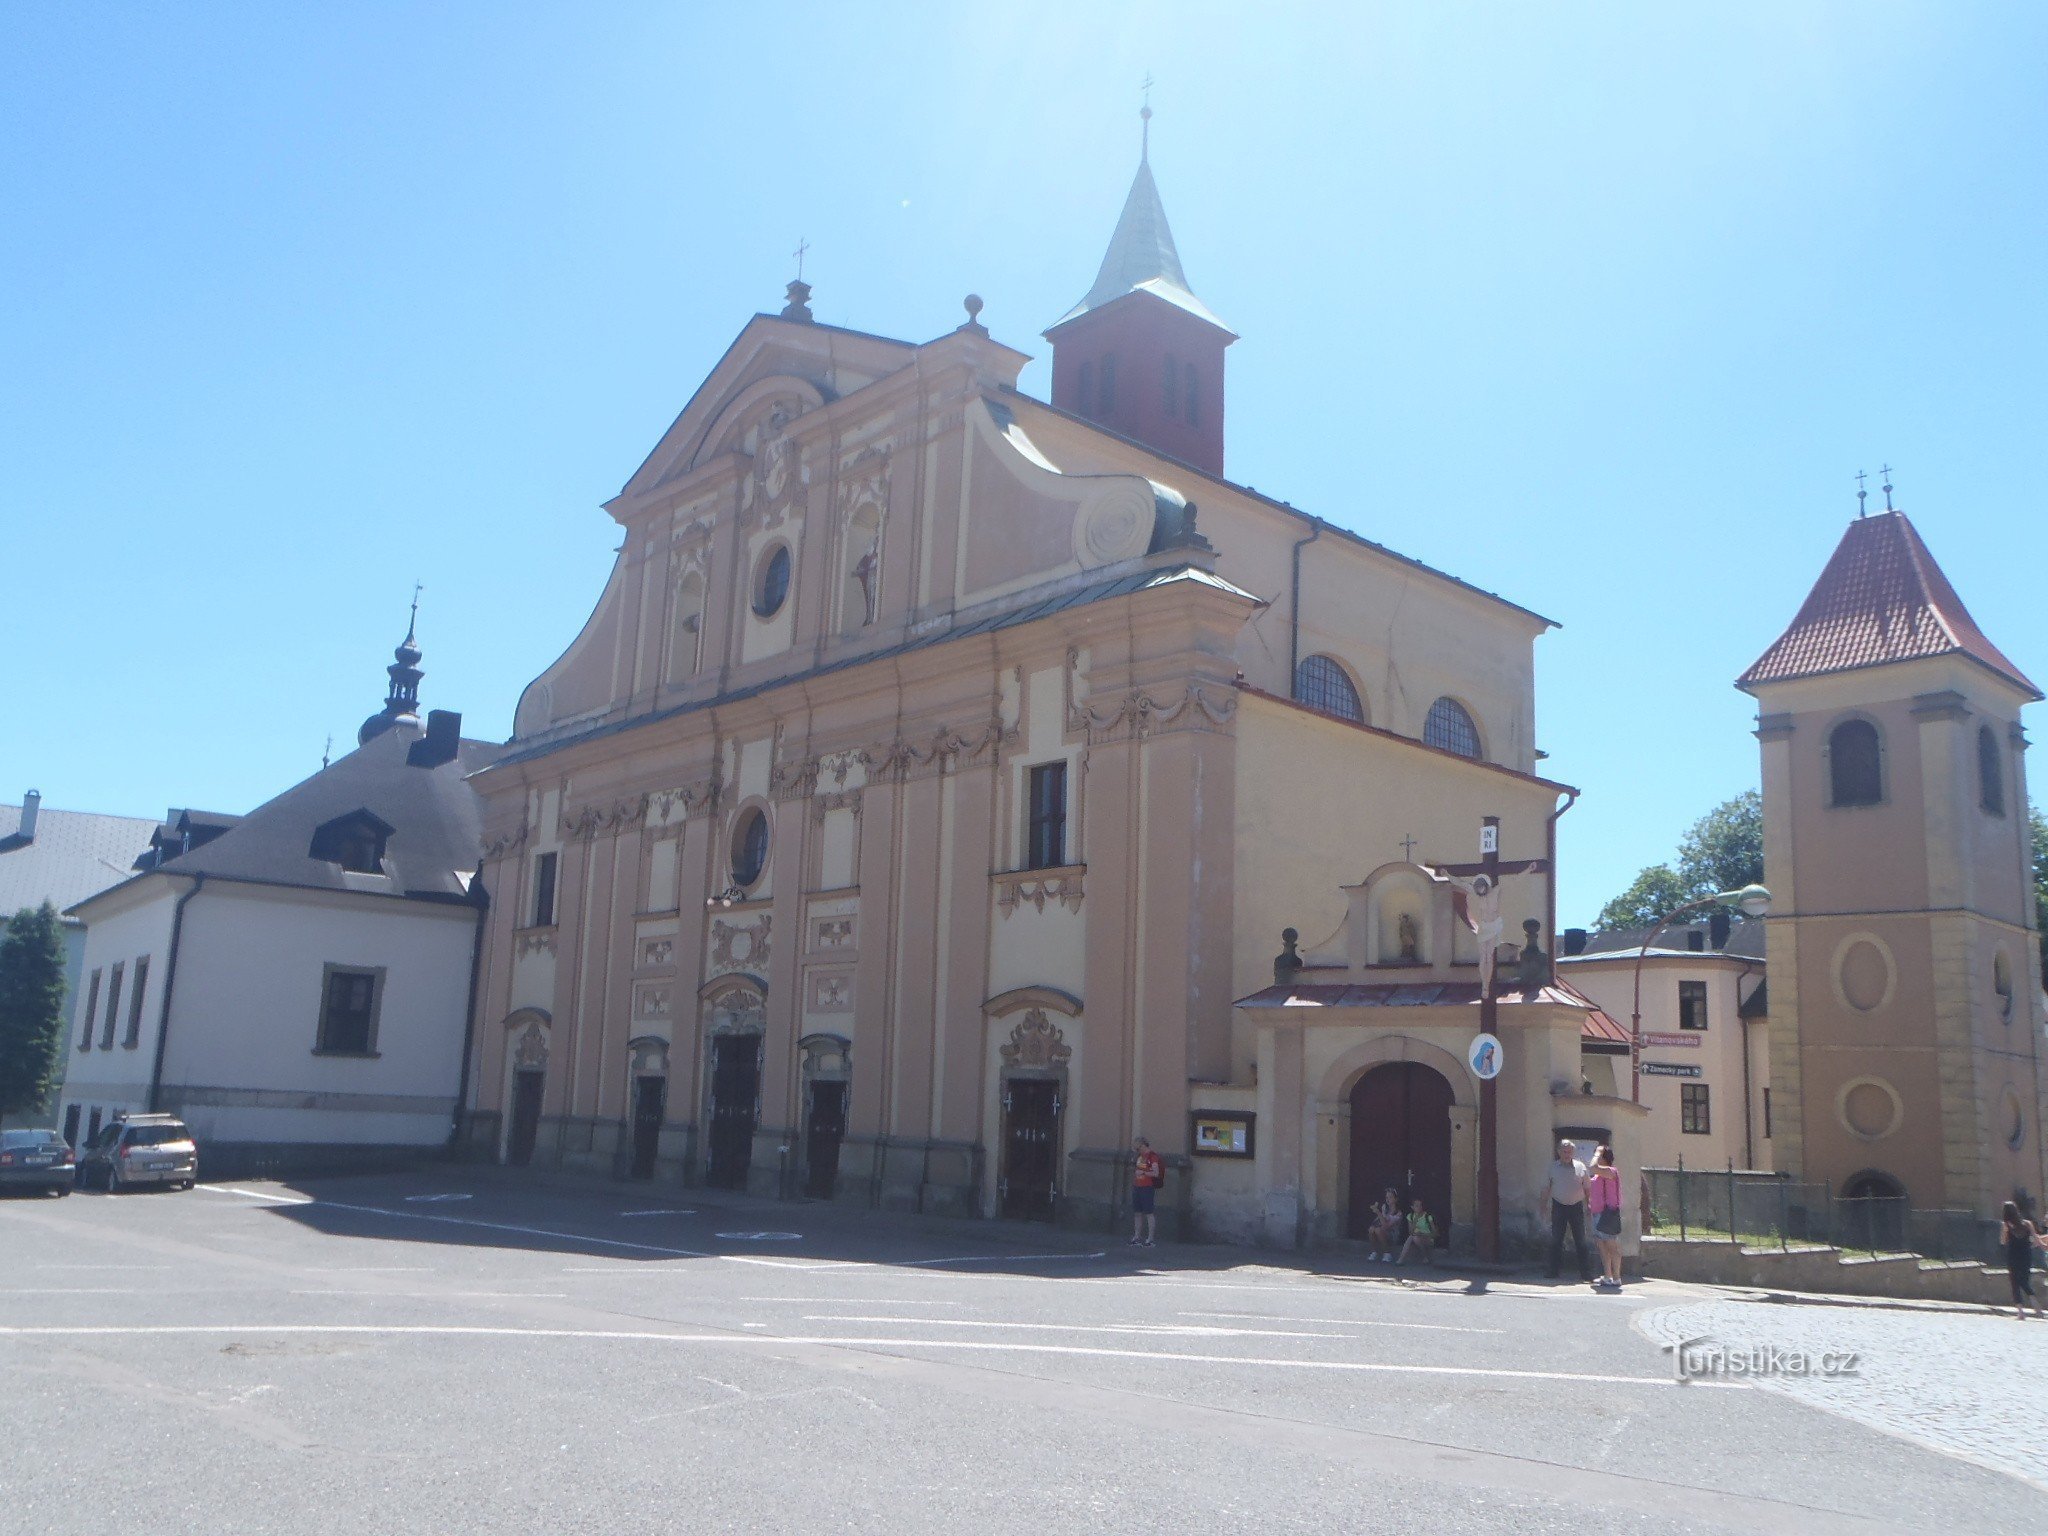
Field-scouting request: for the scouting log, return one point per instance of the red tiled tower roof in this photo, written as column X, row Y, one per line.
column 1881, row 598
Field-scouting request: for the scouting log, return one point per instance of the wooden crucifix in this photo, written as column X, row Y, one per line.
column 1478, row 889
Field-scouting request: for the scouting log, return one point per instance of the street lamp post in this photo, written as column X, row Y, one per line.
column 1751, row 900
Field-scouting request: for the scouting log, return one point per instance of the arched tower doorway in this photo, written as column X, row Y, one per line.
column 1400, row 1140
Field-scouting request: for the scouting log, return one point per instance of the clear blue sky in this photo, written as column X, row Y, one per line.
column 1600, row 307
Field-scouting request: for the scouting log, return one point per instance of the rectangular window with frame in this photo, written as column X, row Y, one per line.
column 1692, row 1005
column 1693, row 1118
column 113, row 1013
column 349, row 1000
column 1045, row 841
column 544, row 890
column 92, row 1005
column 136, row 989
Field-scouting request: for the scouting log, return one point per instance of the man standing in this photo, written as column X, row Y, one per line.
column 1568, row 1208
column 1148, row 1172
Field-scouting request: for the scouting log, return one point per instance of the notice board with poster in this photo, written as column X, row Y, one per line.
column 1221, row 1133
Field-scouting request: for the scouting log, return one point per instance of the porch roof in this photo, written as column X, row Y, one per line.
column 1598, row 1026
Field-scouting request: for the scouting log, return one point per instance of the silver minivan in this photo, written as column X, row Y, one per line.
column 138, row 1150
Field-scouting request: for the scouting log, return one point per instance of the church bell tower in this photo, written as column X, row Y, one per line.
column 1141, row 355
column 1904, row 972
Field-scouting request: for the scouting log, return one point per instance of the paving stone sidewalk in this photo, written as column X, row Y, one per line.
column 1968, row 1384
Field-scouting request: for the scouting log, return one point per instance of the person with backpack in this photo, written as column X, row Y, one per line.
column 1421, row 1244
column 1148, row 1172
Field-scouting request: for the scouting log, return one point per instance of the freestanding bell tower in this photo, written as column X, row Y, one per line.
column 1904, row 969
column 1141, row 355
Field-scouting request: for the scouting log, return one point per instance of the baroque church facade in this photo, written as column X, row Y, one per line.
column 939, row 768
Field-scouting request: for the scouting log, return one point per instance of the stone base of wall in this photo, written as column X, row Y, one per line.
column 306, row 1160
column 1822, row 1271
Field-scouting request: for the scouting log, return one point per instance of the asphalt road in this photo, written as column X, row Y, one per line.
column 472, row 1350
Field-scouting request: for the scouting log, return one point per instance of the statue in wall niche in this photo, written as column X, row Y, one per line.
column 866, row 571
column 1410, row 938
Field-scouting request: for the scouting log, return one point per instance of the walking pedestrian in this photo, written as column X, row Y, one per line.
column 1603, row 1199
column 1568, row 1209
column 1148, row 1172
column 2021, row 1237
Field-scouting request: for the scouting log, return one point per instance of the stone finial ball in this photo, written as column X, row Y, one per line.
column 972, row 304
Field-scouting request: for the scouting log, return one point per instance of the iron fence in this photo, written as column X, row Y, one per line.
column 1770, row 1210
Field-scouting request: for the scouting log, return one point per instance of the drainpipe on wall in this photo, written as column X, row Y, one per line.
column 1550, row 856
column 476, row 958
column 163, row 1022
column 1294, row 609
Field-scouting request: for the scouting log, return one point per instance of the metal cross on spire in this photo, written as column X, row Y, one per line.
column 802, row 245
column 1145, row 120
column 412, row 620
column 1886, row 471
column 1408, row 849
column 1860, row 492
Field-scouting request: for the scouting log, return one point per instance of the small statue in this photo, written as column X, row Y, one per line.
column 1532, row 968
column 1287, row 964
column 865, row 571
column 1411, row 940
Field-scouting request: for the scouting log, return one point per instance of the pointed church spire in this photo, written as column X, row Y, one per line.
column 1141, row 254
column 402, row 703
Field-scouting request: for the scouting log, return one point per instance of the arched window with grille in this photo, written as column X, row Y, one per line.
column 1322, row 684
column 1449, row 726
column 1191, row 407
column 1990, row 772
column 1855, row 764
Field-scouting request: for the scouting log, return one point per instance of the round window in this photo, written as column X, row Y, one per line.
column 771, row 582
column 749, row 847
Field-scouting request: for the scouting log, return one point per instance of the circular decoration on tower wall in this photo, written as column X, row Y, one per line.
column 1864, row 973
column 1869, row 1108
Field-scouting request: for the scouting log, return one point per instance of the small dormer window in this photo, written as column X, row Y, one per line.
column 355, row 843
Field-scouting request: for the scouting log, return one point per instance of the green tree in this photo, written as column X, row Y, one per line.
column 31, row 1008
column 1656, row 891
column 1722, row 851
column 2040, row 827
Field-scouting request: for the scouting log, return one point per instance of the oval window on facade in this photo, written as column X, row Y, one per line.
column 749, row 847
column 771, row 582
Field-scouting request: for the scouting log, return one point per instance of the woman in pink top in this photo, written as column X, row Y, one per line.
column 1603, row 1199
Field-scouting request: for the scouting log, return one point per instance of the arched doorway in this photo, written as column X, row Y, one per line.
column 1870, row 1212
column 1400, row 1140
column 527, row 1069
column 737, row 1018
column 649, row 1102
column 827, row 1075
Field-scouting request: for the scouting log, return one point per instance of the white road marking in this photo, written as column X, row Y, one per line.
column 379, row 1269
column 254, row 1194
column 762, row 1237
column 72, row 1290
column 990, row 1258
column 657, row 1213
column 469, row 1221
column 1350, row 1322
column 783, row 1340
column 437, row 1295
column 1153, row 1330
column 126, row 1269
column 432, row 1199
column 871, row 1301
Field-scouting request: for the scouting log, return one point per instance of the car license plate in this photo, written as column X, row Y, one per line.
column 42, row 1162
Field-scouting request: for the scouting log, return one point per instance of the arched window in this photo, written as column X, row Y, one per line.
column 1107, row 402
column 1855, row 764
column 1087, row 389
column 1169, row 388
column 1321, row 684
column 1990, row 772
column 1190, row 401
column 1450, row 727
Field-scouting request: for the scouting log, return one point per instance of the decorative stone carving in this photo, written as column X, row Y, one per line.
column 794, row 781
column 656, row 952
column 832, row 992
column 739, row 946
column 739, row 1011
column 505, row 842
column 530, row 1048
column 587, row 821
column 1034, row 888
column 650, row 1056
column 835, row 800
column 700, row 795
column 652, row 1003
column 1036, row 1045
column 531, row 941
column 1116, row 524
column 1138, row 714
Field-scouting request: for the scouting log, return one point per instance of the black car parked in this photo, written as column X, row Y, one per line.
column 40, row 1160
